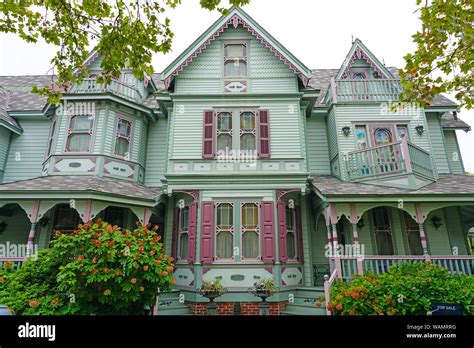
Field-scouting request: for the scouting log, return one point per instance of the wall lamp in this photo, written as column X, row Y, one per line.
column 360, row 224
column 420, row 130
column 346, row 130
column 436, row 221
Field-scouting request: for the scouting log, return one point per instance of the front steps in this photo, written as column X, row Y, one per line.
column 305, row 300
column 168, row 304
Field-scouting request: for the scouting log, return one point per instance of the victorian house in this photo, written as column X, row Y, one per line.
column 253, row 165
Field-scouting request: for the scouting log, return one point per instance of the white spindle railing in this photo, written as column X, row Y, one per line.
column 90, row 85
column 365, row 90
column 328, row 281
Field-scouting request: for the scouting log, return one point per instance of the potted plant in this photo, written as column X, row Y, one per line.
column 211, row 290
column 263, row 288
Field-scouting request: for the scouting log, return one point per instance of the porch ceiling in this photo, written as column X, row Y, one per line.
column 447, row 185
column 75, row 183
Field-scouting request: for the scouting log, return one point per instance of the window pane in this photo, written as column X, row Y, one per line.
column 235, row 68
column 224, row 141
column 384, row 243
column 78, row 142
column 183, row 246
column 123, row 128
column 383, row 136
column 247, row 142
column 225, row 219
column 249, row 216
column 290, row 245
column 184, row 220
column 250, row 245
column 290, row 221
column 361, row 137
column 381, row 220
column 414, row 243
column 234, row 51
column 81, row 123
column 402, row 132
column 359, row 76
column 247, row 122
column 224, row 122
column 224, row 245
column 121, row 146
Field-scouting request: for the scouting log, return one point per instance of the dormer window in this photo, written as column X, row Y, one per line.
column 122, row 138
column 80, row 133
column 359, row 76
column 235, row 60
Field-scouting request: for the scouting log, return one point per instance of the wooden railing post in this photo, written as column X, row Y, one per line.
column 406, row 155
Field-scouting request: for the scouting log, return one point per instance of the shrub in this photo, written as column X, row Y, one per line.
column 406, row 288
column 111, row 270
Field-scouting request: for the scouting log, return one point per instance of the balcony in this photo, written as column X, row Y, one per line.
column 377, row 90
column 90, row 85
column 400, row 157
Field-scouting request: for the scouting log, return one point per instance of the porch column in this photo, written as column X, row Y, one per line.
column 146, row 216
column 332, row 231
column 33, row 219
column 419, row 218
column 87, row 211
column 355, row 235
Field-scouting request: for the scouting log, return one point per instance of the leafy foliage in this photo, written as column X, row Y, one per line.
column 98, row 269
column 406, row 288
column 444, row 59
column 265, row 285
column 125, row 33
column 212, row 287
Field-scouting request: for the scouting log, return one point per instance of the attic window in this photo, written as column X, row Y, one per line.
column 235, row 60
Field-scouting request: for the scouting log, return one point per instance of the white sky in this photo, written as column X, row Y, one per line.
column 318, row 32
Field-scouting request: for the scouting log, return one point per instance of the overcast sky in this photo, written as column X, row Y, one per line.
column 318, row 32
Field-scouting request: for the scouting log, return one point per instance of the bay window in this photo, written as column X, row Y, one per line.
column 122, row 138
column 80, row 133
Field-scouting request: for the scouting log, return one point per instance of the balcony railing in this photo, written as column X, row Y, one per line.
column 90, row 85
column 365, row 90
column 380, row 264
column 400, row 157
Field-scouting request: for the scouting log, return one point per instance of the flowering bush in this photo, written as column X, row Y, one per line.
column 111, row 270
column 406, row 288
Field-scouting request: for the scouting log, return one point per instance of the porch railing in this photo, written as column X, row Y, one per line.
column 15, row 262
column 380, row 264
column 327, row 288
column 90, row 85
column 394, row 158
column 365, row 90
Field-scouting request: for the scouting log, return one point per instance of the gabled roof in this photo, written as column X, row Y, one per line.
column 449, row 122
column 5, row 119
column 235, row 18
column 360, row 51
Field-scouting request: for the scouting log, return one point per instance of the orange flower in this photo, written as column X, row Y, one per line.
column 83, row 249
column 157, row 262
column 173, row 281
column 118, row 273
column 33, row 303
column 106, row 270
column 94, row 260
column 339, row 307
column 355, row 296
column 107, row 292
column 145, row 268
column 318, row 304
column 141, row 248
column 110, row 244
column 155, row 228
column 133, row 280
column 54, row 302
column 109, row 229
column 388, row 299
column 98, row 243
column 95, row 271
column 330, row 307
column 152, row 243
column 137, row 257
column 164, row 273
column 153, row 252
column 169, row 268
column 142, row 288
column 171, row 259
column 2, row 279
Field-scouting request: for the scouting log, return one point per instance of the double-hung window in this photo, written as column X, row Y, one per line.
column 248, row 131
column 80, row 133
column 122, row 138
column 183, row 235
column 250, row 231
column 291, row 249
column 51, row 138
column 224, row 132
column 235, row 60
column 224, row 231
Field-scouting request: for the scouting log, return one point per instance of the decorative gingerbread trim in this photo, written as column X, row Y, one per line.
column 360, row 54
column 281, row 193
column 193, row 194
column 235, row 21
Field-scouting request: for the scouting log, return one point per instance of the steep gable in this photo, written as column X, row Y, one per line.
column 234, row 19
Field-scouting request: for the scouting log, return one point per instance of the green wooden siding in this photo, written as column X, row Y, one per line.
column 332, row 134
column 437, row 143
column 4, row 146
column 156, row 152
column 317, row 142
column 453, row 153
column 438, row 239
column 266, row 73
column 31, row 146
column 456, row 234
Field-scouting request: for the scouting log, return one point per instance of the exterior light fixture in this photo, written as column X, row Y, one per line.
column 420, row 130
column 346, row 130
column 360, row 224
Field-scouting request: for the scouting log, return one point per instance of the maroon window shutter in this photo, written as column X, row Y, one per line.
column 208, row 135
column 264, row 134
column 281, row 210
column 268, row 232
column 299, row 234
column 207, row 231
column 192, row 233
column 174, row 234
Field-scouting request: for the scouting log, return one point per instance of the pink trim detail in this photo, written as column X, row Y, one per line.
column 235, row 21
column 147, row 216
column 87, row 211
column 35, row 212
column 360, row 54
column 193, row 194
